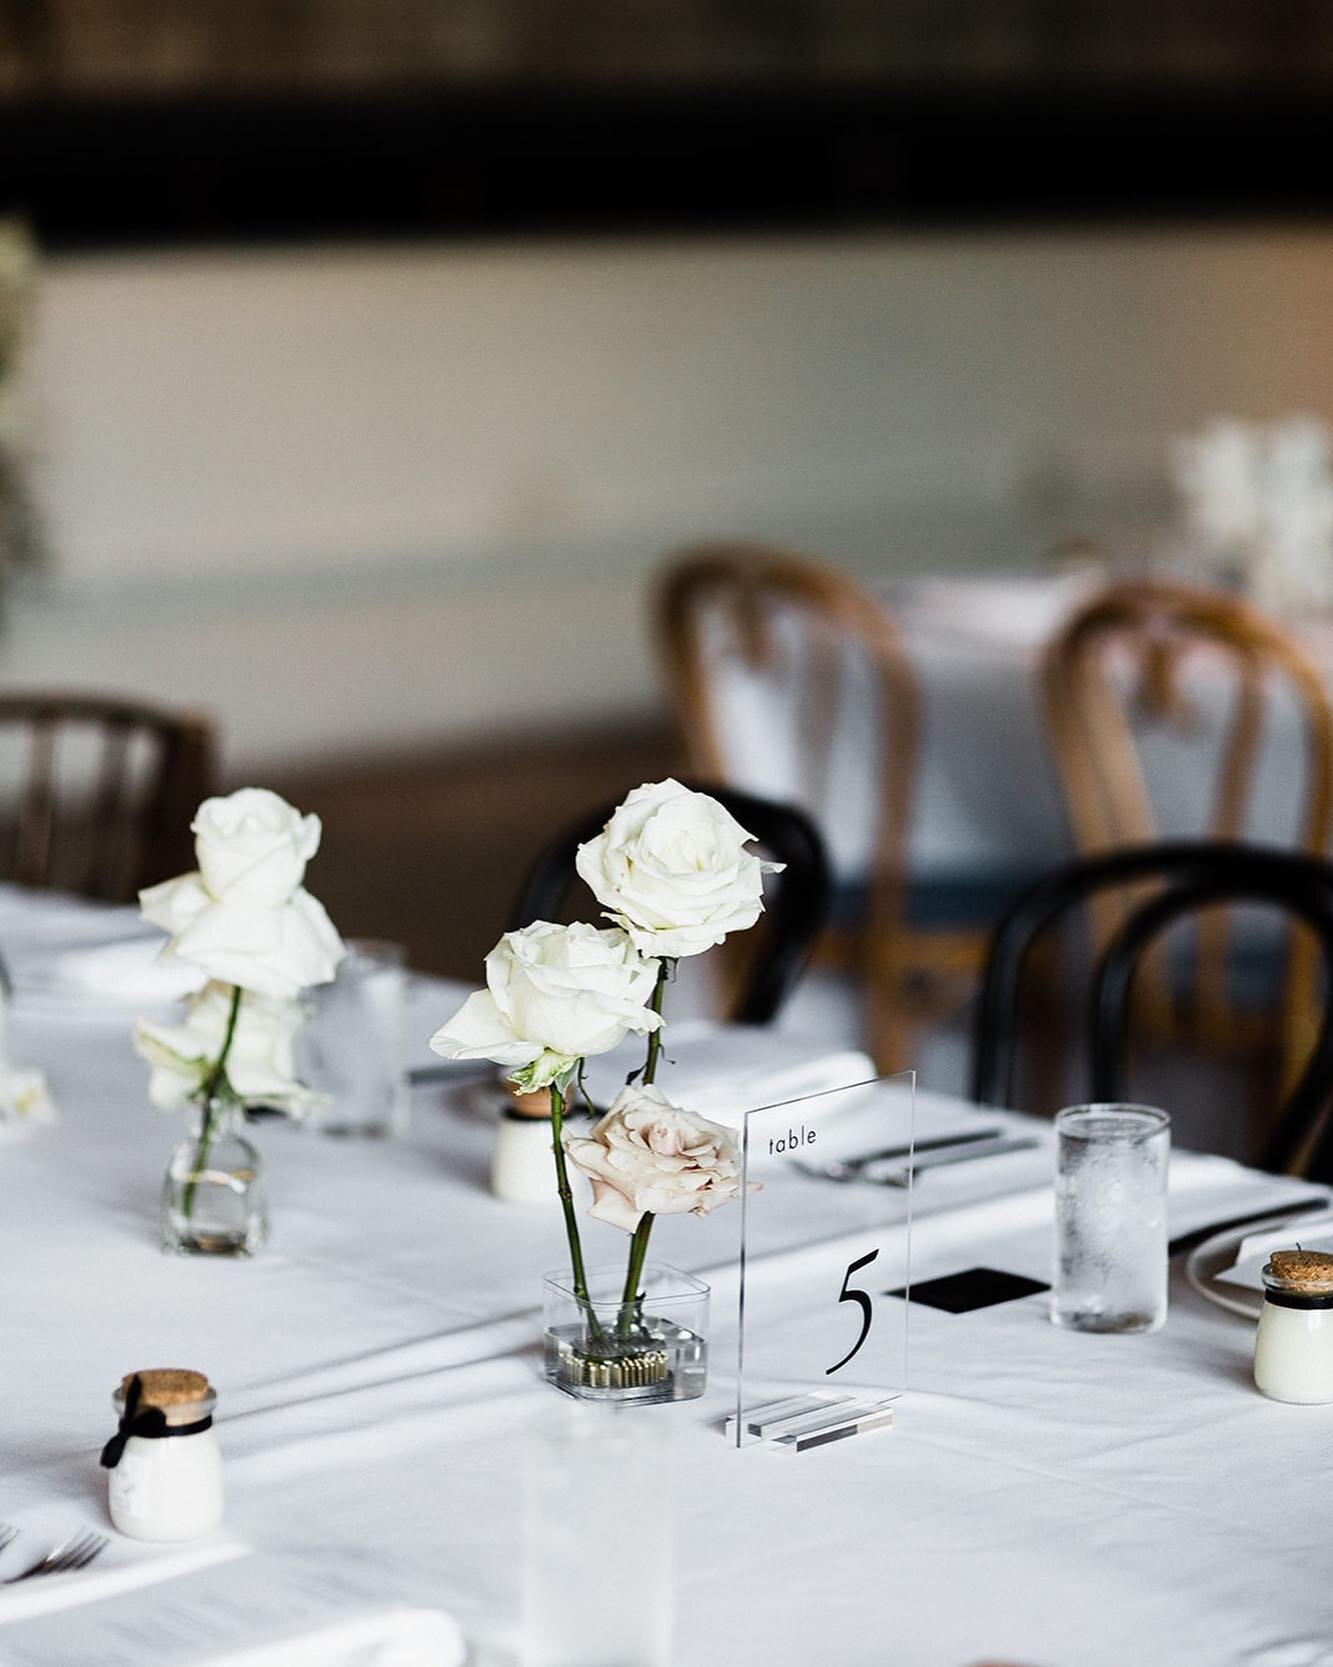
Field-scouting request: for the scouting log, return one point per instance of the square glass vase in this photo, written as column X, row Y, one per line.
column 651, row 1349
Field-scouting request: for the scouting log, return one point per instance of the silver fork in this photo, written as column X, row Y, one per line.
column 76, row 1553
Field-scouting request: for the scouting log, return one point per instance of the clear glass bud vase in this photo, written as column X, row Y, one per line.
column 212, row 1202
column 652, row 1349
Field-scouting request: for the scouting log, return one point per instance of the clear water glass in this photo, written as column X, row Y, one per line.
column 351, row 1050
column 1110, row 1218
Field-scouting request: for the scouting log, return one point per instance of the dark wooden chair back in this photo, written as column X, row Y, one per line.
column 796, row 901
column 1190, row 876
column 97, row 794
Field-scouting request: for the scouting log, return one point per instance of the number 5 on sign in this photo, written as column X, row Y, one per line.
column 813, row 1322
column 850, row 1294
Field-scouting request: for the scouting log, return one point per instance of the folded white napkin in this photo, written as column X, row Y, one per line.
column 328, row 1608
column 123, row 973
column 723, row 1071
column 125, row 1566
column 405, row 1638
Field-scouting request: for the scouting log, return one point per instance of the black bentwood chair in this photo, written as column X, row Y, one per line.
column 1186, row 878
column 796, row 901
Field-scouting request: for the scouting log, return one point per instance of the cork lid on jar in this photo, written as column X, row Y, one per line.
column 537, row 1103
column 180, row 1394
column 1302, row 1272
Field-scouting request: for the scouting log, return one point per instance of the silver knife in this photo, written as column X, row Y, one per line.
column 900, row 1175
column 847, row 1169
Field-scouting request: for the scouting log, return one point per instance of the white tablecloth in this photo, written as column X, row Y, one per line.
column 1045, row 1498
column 986, row 799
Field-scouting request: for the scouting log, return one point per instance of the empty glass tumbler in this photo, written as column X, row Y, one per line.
column 1110, row 1218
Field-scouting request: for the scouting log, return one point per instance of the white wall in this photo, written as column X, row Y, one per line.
column 382, row 496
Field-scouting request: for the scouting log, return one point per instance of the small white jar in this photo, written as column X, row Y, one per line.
column 165, row 1468
column 1293, row 1348
column 523, row 1171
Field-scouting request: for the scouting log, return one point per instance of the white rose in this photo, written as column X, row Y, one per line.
column 252, row 847
column 275, row 952
column 646, row 1155
column 259, row 1061
column 554, row 995
column 671, row 868
column 244, row 916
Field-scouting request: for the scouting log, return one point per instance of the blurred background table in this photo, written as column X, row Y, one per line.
column 987, row 808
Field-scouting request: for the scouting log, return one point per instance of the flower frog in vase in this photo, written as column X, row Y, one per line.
column 246, row 921
column 673, row 874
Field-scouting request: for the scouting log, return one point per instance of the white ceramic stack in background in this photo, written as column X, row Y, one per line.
column 1257, row 503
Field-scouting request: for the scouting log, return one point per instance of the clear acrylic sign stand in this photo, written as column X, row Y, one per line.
column 825, row 1264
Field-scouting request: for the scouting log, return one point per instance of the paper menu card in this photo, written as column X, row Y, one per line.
column 272, row 1610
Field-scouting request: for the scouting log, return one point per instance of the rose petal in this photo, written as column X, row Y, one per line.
column 610, row 1205
column 175, row 903
column 479, row 1031
column 278, row 952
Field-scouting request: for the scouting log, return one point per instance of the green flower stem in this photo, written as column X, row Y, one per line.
column 655, row 1040
column 631, row 1298
column 567, row 1205
column 213, row 1083
column 638, row 1248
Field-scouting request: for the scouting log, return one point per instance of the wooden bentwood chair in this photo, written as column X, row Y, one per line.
column 1115, row 676
column 838, row 657
column 98, row 792
column 777, row 615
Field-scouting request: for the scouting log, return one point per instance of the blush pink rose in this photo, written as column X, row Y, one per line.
column 646, row 1156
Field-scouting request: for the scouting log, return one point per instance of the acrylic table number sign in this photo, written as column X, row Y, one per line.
column 825, row 1241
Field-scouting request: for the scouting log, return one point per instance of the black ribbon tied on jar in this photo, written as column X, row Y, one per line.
column 150, row 1422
